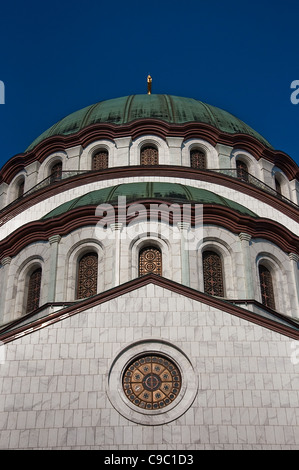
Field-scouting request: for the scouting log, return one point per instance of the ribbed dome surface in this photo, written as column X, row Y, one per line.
column 168, row 108
column 173, row 192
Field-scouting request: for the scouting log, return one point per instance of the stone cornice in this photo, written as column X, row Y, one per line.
column 213, row 214
column 16, row 329
column 156, row 127
column 139, row 171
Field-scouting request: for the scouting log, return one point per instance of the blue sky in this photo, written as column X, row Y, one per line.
column 60, row 56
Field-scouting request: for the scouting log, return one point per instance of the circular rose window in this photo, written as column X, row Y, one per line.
column 151, row 382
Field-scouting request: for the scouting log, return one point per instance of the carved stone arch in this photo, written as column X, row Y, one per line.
column 281, row 183
column 225, row 254
column 103, row 145
column 72, row 269
column 30, row 285
column 47, row 165
column 156, row 242
column 16, row 187
column 272, row 286
column 193, row 145
column 243, row 162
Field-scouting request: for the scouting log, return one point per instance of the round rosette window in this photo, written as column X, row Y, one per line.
column 152, row 382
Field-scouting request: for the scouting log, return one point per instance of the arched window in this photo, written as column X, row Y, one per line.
column 100, row 160
column 33, row 295
column 242, row 170
column 87, row 277
column 278, row 187
column 56, row 172
column 149, row 156
column 266, row 286
column 150, row 261
column 20, row 188
column 198, row 159
column 212, row 273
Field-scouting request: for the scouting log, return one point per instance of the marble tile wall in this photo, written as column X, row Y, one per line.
column 53, row 382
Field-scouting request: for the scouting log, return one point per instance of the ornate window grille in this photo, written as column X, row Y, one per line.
column 87, row 278
column 150, row 261
column 212, row 273
column 56, row 172
column 242, row 170
column 100, row 160
column 149, row 156
column 34, row 286
column 152, row 382
column 266, row 286
column 198, row 159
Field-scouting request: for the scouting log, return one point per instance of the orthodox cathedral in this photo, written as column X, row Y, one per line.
column 149, row 286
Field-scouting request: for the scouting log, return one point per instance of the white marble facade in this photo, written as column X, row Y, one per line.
column 55, row 390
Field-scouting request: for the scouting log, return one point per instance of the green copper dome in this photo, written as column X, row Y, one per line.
column 168, row 108
column 173, row 192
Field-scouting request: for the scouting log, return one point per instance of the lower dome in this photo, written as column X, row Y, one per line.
column 173, row 192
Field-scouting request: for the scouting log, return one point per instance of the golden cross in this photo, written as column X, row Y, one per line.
column 149, row 84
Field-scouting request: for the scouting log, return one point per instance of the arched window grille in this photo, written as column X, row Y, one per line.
column 87, row 277
column 149, row 156
column 266, row 286
column 56, row 172
column 33, row 295
column 198, row 159
column 212, row 274
column 150, row 261
column 242, row 170
column 100, row 160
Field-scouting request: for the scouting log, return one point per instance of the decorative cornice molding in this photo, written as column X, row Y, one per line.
column 141, row 127
column 213, row 214
column 16, row 330
column 141, row 171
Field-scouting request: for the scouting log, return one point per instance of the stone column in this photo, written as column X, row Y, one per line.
column 72, row 162
column 175, row 150
column 31, row 178
column 294, row 260
column 266, row 171
column 116, row 228
column 3, row 195
column 224, row 155
column 54, row 242
column 122, row 157
column 245, row 243
column 184, row 227
column 294, row 191
column 5, row 262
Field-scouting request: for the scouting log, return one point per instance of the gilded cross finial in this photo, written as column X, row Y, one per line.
column 149, row 84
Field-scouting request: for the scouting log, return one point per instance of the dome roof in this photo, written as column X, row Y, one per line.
column 173, row 192
column 168, row 108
